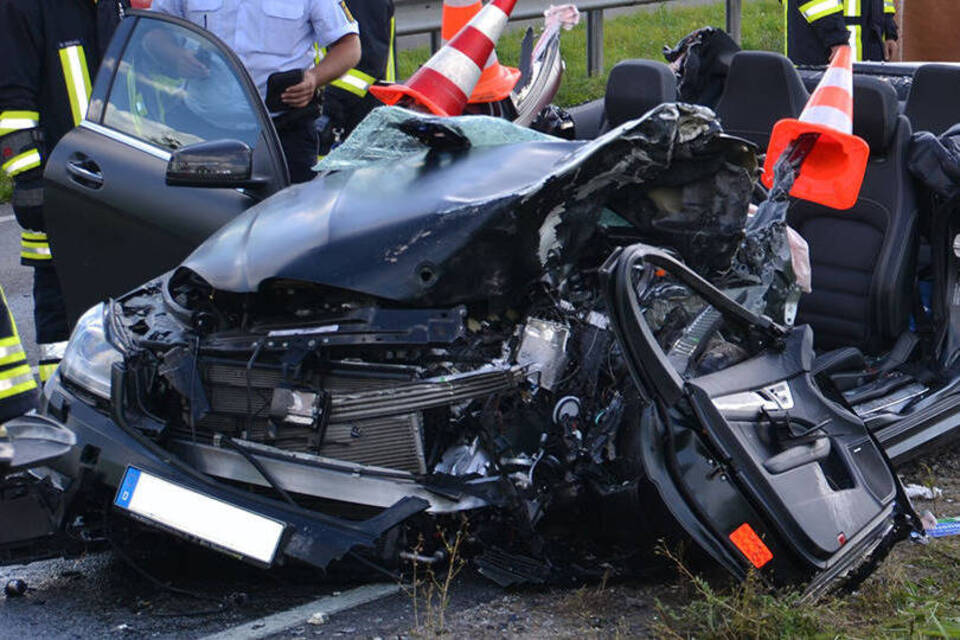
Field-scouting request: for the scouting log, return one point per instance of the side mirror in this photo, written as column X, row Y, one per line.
column 217, row 163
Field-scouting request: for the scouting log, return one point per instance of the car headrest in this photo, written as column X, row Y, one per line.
column 762, row 88
column 934, row 101
column 636, row 86
column 874, row 112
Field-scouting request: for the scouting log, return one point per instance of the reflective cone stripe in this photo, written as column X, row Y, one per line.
column 77, row 76
column 497, row 81
column 443, row 84
column 832, row 103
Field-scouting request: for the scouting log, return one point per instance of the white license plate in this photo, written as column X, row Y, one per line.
column 221, row 524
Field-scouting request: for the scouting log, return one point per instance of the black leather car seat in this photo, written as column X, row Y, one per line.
column 762, row 88
column 934, row 101
column 633, row 88
column 863, row 259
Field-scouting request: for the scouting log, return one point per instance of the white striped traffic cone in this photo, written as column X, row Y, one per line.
column 833, row 171
column 497, row 80
column 444, row 83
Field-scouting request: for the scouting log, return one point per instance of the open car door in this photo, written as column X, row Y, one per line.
column 114, row 216
column 755, row 464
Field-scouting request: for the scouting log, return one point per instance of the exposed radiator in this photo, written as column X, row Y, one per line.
column 375, row 421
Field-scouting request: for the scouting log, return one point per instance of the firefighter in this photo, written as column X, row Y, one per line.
column 49, row 53
column 346, row 100
column 816, row 27
column 18, row 389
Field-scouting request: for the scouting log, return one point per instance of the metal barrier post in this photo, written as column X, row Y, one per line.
column 435, row 41
column 734, row 19
column 595, row 41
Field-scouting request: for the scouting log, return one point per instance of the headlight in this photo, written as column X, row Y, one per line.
column 89, row 357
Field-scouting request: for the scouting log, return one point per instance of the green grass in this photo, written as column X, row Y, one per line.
column 915, row 594
column 640, row 35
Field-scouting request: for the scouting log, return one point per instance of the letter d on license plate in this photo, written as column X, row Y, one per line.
column 221, row 524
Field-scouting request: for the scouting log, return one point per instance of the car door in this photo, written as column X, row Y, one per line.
column 761, row 469
column 113, row 220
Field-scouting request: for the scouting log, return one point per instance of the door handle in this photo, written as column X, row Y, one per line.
column 86, row 172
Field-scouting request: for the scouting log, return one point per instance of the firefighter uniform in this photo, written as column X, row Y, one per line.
column 18, row 389
column 346, row 100
column 49, row 52
column 814, row 26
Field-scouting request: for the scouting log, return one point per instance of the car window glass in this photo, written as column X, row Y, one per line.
column 174, row 88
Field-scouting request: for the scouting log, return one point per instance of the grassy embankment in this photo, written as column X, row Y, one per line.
column 640, row 35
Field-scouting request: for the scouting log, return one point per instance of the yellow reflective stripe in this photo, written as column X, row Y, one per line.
column 12, row 353
column 342, row 83
column 316, row 54
column 355, row 81
column 889, row 7
column 35, row 250
column 15, row 338
column 851, row 8
column 16, row 381
column 33, row 236
column 816, row 9
column 46, row 371
column 22, row 162
column 856, row 42
column 17, row 120
column 391, row 73
column 75, row 74
column 360, row 75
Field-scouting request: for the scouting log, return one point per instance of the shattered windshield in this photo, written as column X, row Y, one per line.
column 381, row 138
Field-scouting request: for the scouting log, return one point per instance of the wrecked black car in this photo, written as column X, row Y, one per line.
column 579, row 347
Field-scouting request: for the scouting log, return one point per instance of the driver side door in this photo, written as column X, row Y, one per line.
column 761, row 469
column 112, row 219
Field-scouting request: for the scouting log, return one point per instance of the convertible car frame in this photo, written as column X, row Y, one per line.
column 578, row 346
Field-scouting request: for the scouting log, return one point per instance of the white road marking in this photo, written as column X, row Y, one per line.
column 272, row 624
column 7, row 218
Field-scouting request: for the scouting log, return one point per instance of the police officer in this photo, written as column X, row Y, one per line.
column 274, row 36
column 49, row 52
column 346, row 100
column 816, row 27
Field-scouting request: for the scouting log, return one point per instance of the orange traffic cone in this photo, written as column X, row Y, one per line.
column 497, row 80
column 445, row 81
column 832, row 172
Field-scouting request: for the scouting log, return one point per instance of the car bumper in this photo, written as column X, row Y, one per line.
column 105, row 450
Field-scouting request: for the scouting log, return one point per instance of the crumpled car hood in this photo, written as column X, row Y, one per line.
column 444, row 226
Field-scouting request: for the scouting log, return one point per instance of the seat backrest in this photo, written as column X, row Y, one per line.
column 863, row 259
column 934, row 101
column 633, row 88
column 762, row 88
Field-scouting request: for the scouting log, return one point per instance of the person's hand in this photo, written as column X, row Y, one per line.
column 189, row 67
column 891, row 48
column 300, row 94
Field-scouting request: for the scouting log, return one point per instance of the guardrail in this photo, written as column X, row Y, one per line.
column 416, row 17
